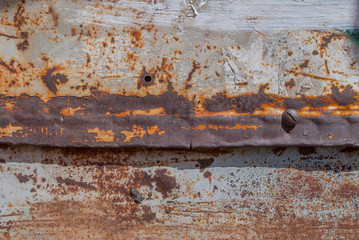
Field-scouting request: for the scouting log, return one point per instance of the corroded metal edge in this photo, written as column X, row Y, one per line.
column 177, row 127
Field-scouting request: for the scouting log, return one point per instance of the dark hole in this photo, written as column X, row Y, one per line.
column 148, row 79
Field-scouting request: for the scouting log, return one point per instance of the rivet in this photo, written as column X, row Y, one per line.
column 290, row 118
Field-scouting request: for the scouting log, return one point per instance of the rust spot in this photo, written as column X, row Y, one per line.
column 326, row 66
column 23, row 178
column 195, row 66
column 204, row 163
column 88, row 60
column 72, row 182
column 327, row 39
column 304, row 65
column 290, row 84
column 19, row 20
column 23, row 46
column 73, row 31
column 54, row 15
column 12, row 70
column 208, row 175
column 315, row 52
column 290, row 53
column 242, row 84
column 164, row 183
column 51, row 80
column 146, row 78
column 345, row 97
column 24, row 35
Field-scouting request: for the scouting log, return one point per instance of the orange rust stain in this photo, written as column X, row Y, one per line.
column 312, row 76
column 149, row 112
column 55, row 15
column 102, row 135
column 345, row 74
column 237, row 126
column 261, row 34
column 70, row 111
column 9, row 105
column 136, row 37
column 217, row 127
column 203, row 113
column 199, row 127
column 9, row 130
column 140, row 132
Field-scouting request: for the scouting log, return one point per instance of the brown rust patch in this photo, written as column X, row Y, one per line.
column 204, row 163
column 344, row 97
column 23, row 178
column 164, row 183
column 315, row 52
column 72, row 182
column 246, row 103
column 304, row 64
column 347, row 190
column 19, row 20
column 10, row 69
column 195, row 66
column 326, row 66
column 327, row 39
column 290, row 84
column 73, row 31
column 23, row 45
column 136, row 37
column 302, row 185
column 148, row 216
column 52, row 80
column 54, row 15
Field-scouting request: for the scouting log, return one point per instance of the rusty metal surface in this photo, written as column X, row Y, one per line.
column 178, row 73
column 243, row 193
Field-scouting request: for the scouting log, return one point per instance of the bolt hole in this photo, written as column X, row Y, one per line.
column 148, row 79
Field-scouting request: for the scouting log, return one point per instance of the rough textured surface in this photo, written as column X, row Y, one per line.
column 178, row 73
column 243, row 193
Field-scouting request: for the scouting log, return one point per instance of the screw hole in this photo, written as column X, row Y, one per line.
column 148, row 79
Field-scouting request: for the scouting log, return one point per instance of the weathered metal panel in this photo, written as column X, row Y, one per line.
column 178, row 73
column 244, row 193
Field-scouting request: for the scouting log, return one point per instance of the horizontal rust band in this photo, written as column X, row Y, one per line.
column 169, row 120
